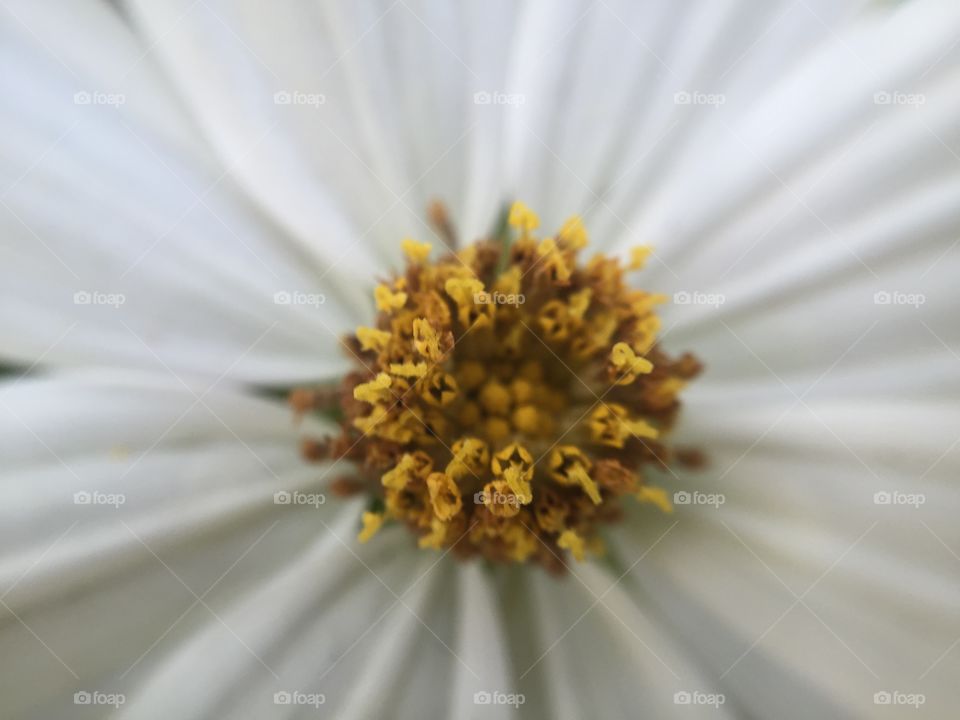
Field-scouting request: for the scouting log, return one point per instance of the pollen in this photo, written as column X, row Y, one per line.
column 509, row 401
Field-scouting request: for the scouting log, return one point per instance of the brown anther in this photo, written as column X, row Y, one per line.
column 440, row 220
column 315, row 450
column 347, row 486
column 613, row 476
column 687, row 367
column 550, row 510
column 690, row 458
column 302, row 400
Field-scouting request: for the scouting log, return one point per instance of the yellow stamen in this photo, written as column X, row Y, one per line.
column 553, row 261
column 522, row 217
column 500, row 499
column 434, row 539
column 569, row 466
column 642, row 303
column 444, row 495
column 655, row 496
column 388, row 300
column 509, row 283
column 554, row 319
column 375, row 391
column 638, row 256
column 411, row 465
column 578, row 303
column 569, row 540
column 573, row 235
column 373, row 339
column 372, row 522
column 465, row 292
column 440, row 389
column 426, row 339
column 416, row 252
column 610, row 425
column 627, row 364
column 470, row 456
column 417, row 370
column 645, row 334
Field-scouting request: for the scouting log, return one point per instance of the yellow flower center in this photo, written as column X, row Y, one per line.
column 507, row 397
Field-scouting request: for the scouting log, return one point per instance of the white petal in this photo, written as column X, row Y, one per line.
column 483, row 646
column 585, row 648
column 116, row 206
column 601, row 127
column 798, row 217
column 337, row 622
column 805, row 589
column 368, row 132
column 93, row 590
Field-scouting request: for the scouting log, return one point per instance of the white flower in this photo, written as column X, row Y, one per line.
column 195, row 197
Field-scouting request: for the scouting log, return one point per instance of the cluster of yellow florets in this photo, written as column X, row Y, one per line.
column 507, row 398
